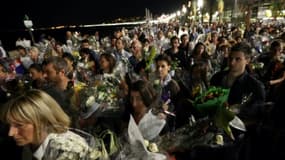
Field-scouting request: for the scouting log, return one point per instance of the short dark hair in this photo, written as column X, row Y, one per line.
column 57, row 62
column 146, row 90
column 174, row 38
column 242, row 47
column 36, row 66
column 19, row 47
column 163, row 57
column 274, row 45
column 68, row 56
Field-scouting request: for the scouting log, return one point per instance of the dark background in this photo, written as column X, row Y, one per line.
column 48, row 13
column 45, row 13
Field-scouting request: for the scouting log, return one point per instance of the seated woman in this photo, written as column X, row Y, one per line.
column 37, row 76
column 107, row 68
column 170, row 89
column 142, row 98
column 37, row 122
column 86, row 66
column 107, row 63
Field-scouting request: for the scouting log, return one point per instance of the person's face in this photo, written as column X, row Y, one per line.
column 277, row 51
column 225, row 51
column 33, row 54
column 185, row 40
column 163, row 68
column 175, row 43
column 200, row 49
column 69, row 63
column 119, row 44
column 22, row 52
column 237, row 61
column 34, row 74
column 137, row 102
column 104, row 64
column 51, row 74
column 136, row 50
column 23, row 133
column 58, row 49
column 85, row 45
column 160, row 35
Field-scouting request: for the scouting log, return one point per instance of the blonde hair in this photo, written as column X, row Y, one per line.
column 39, row 109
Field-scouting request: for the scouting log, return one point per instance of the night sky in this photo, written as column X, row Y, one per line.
column 70, row 12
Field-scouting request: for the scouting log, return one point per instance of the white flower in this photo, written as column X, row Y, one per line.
column 146, row 142
column 153, row 147
column 156, row 82
column 90, row 101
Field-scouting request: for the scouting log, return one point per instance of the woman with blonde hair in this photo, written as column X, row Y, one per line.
column 37, row 121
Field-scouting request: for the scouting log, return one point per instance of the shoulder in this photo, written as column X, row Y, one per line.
column 70, row 145
column 216, row 79
column 173, row 86
column 252, row 80
column 68, row 141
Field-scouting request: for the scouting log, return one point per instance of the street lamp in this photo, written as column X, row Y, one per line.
column 200, row 6
column 29, row 25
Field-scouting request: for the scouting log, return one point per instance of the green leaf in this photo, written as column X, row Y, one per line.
column 222, row 118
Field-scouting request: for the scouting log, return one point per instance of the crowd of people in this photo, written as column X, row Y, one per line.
column 76, row 99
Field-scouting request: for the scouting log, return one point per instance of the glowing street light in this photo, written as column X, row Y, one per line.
column 200, row 3
column 178, row 13
column 200, row 11
column 184, row 9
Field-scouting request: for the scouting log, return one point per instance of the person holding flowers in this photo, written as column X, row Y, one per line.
column 169, row 88
column 142, row 100
column 142, row 126
column 37, row 122
column 247, row 94
column 242, row 85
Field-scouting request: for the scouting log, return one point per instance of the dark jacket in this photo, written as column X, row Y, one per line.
column 244, row 85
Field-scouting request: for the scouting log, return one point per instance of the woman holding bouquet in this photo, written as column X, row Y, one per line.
column 142, row 99
column 107, row 63
column 169, row 88
column 37, row 122
column 143, row 127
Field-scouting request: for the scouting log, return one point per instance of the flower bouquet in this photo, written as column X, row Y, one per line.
column 188, row 137
column 150, row 58
column 103, row 91
column 136, row 147
column 213, row 103
column 73, row 145
column 211, row 130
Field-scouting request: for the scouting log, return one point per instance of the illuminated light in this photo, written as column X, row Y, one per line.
column 200, row 3
column 178, row 13
column 189, row 4
column 59, row 27
column 184, row 9
column 268, row 13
